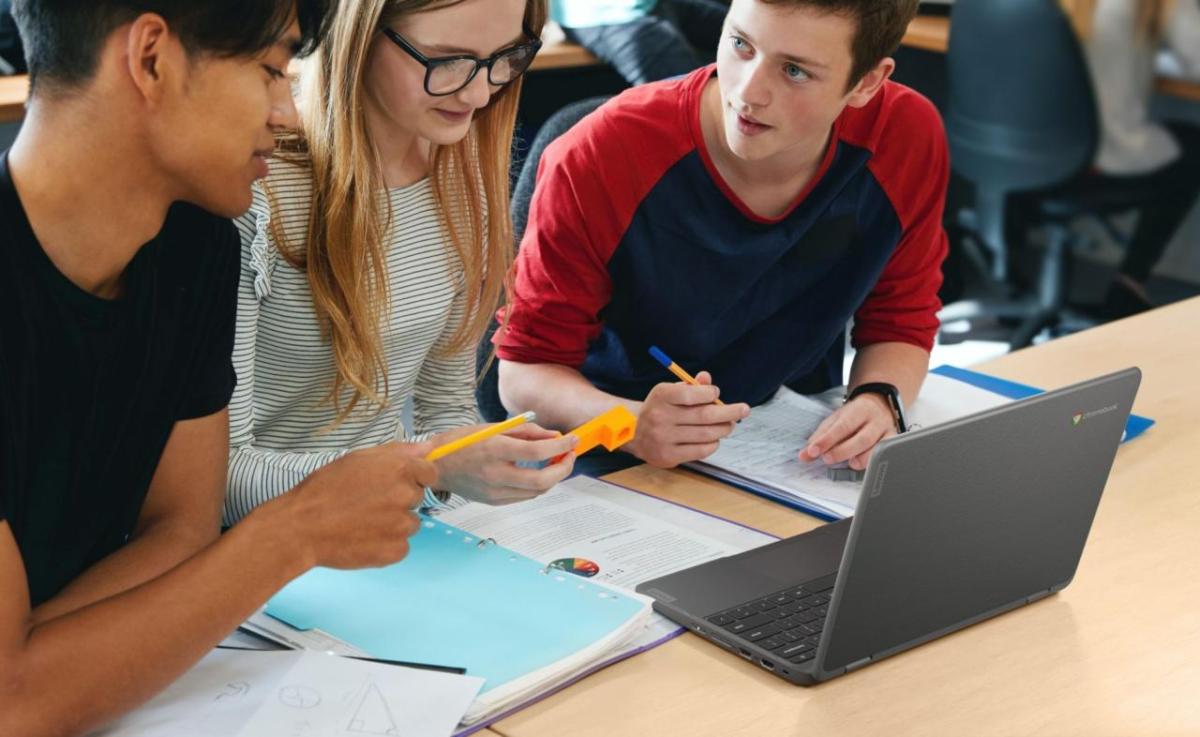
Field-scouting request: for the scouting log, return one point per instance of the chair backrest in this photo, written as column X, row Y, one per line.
column 487, row 393
column 1022, row 112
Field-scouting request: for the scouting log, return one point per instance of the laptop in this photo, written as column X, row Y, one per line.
column 956, row 523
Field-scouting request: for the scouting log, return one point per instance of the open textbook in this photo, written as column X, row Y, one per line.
column 762, row 454
column 584, row 533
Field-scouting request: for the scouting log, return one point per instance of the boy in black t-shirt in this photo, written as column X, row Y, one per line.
column 117, row 300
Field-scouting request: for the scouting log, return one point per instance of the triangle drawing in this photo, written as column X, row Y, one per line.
column 373, row 716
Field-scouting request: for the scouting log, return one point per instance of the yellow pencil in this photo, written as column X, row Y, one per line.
column 674, row 368
column 444, row 450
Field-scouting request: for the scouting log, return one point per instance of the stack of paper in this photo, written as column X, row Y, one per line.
column 583, row 533
column 464, row 601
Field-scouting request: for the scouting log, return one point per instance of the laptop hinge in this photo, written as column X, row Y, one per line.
column 1039, row 595
column 858, row 664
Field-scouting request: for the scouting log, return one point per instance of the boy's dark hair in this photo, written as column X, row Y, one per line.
column 63, row 38
column 881, row 27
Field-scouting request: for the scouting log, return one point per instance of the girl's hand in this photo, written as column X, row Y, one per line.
column 488, row 472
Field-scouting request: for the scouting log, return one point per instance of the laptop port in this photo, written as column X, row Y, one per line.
column 746, row 653
column 767, row 664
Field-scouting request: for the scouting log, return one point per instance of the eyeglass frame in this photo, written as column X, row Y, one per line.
column 430, row 62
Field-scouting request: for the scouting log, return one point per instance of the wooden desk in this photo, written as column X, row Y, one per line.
column 564, row 55
column 1116, row 653
column 13, row 93
column 932, row 33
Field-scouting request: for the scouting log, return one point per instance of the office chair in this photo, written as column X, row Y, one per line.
column 487, row 392
column 1023, row 125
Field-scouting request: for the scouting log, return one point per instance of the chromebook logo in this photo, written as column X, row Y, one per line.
column 1079, row 417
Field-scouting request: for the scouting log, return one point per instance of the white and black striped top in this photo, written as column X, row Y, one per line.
column 280, row 427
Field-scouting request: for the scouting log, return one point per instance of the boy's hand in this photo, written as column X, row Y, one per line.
column 357, row 512
column 680, row 423
column 851, row 433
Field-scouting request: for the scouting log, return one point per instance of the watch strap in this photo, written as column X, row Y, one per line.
column 891, row 395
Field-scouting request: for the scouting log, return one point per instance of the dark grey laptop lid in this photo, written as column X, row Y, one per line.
column 972, row 517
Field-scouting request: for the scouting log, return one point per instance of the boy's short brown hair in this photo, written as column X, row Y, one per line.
column 881, row 27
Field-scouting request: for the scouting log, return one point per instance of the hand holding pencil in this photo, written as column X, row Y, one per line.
column 677, row 370
column 496, row 464
column 681, row 422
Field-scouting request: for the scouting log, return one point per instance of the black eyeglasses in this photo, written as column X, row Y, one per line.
column 445, row 75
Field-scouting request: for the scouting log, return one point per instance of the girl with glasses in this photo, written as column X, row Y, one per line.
column 377, row 249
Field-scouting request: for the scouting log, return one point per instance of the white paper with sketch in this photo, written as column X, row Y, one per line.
column 762, row 453
column 239, row 693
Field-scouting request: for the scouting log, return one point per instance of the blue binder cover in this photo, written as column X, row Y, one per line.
column 460, row 601
column 1011, row 389
column 788, row 501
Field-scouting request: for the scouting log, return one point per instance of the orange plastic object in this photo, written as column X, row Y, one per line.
column 612, row 429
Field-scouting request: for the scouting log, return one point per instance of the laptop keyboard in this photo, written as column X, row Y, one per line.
column 788, row 623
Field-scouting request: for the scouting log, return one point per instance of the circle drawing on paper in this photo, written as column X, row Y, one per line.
column 578, row 566
column 299, row 697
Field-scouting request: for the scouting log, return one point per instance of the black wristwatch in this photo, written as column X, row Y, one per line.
column 890, row 393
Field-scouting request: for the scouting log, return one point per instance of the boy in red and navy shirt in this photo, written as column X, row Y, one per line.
column 739, row 218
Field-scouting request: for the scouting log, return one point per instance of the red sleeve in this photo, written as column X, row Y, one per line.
column 562, row 279
column 912, row 164
column 590, row 183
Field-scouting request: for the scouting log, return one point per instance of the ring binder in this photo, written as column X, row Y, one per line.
column 458, row 598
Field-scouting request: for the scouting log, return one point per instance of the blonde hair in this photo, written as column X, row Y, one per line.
column 1152, row 16
column 344, row 250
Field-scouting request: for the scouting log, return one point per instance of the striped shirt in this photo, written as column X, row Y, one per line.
column 280, row 425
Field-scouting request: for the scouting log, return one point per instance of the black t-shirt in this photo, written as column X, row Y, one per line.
column 91, row 388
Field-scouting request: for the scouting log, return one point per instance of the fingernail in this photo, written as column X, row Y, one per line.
column 828, row 459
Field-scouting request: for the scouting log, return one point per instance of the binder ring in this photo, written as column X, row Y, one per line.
column 485, row 542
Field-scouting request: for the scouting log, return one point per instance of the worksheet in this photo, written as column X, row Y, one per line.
column 247, row 693
column 763, row 452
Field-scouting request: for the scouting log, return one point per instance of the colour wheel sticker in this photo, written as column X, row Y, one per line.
column 578, row 566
